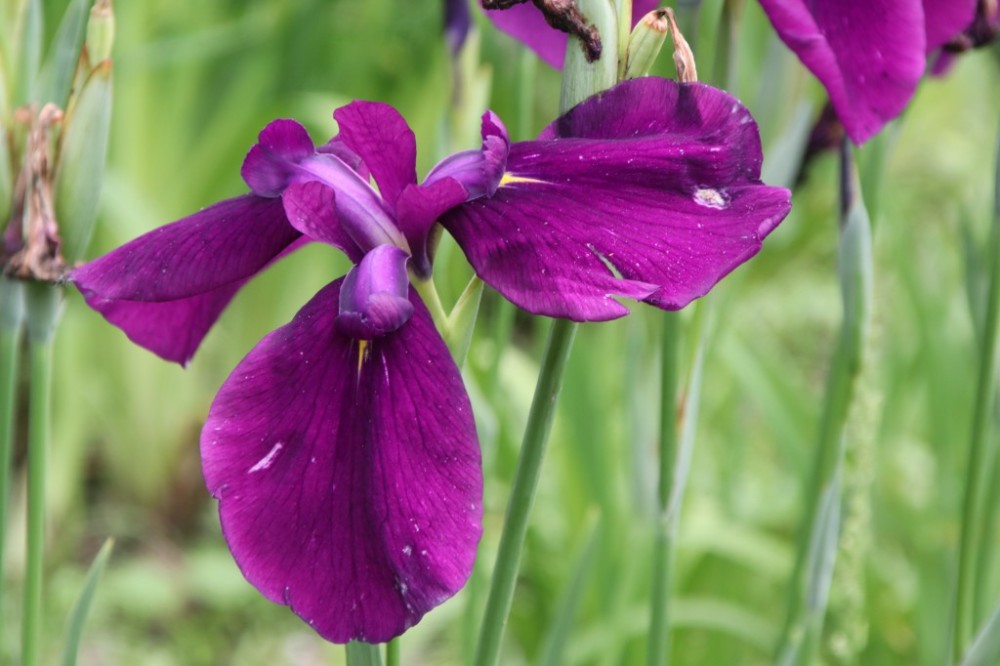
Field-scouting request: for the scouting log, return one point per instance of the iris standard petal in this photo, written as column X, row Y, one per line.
column 374, row 296
column 527, row 25
column 868, row 55
column 479, row 171
column 166, row 288
column 270, row 164
column 664, row 204
column 377, row 133
column 418, row 209
column 348, row 473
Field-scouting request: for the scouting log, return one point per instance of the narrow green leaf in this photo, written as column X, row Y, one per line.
column 985, row 649
column 82, row 154
column 64, row 54
column 78, row 616
column 562, row 623
column 29, row 53
column 462, row 321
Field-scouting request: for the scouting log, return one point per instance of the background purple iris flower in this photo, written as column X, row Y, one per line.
column 342, row 449
column 868, row 55
column 526, row 24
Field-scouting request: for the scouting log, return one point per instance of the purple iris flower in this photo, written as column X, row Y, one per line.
column 526, row 23
column 868, row 55
column 342, row 449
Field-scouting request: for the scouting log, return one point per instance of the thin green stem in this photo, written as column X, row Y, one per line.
column 522, row 496
column 363, row 654
column 392, row 657
column 11, row 316
column 982, row 411
column 43, row 306
column 663, row 545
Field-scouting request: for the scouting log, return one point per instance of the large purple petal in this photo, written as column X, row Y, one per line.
column 868, row 55
column 166, row 288
column 527, row 25
column 944, row 19
column 348, row 474
column 668, row 198
column 377, row 133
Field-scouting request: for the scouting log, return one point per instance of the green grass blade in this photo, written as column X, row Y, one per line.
column 78, row 616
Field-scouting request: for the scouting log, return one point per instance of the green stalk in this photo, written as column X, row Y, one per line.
column 663, row 550
column 362, row 654
column 965, row 589
column 817, row 539
column 529, row 465
column 392, row 657
column 11, row 317
column 43, row 308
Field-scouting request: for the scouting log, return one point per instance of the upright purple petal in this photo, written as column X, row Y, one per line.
column 868, row 55
column 166, row 288
column 271, row 163
column 374, row 296
column 311, row 207
column 418, row 209
column 479, row 171
column 377, row 133
column 944, row 19
column 347, row 473
column 658, row 201
column 527, row 25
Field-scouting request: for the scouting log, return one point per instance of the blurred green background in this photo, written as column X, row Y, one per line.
column 195, row 82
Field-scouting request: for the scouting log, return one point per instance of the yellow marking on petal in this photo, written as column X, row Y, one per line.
column 362, row 353
column 510, row 179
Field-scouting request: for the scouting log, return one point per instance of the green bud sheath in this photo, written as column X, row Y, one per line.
column 100, row 32
column 80, row 167
column 582, row 78
column 644, row 44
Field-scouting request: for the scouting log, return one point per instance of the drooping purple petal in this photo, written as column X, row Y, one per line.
column 374, row 295
column 457, row 22
column 944, row 19
column 270, row 164
column 868, row 55
column 166, row 288
column 377, row 133
column 527, row 25
column 658, row 201
column 347, row 473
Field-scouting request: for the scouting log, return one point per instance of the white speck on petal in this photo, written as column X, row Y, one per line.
column 710, row 198
column 266, row 461
column 407, row 550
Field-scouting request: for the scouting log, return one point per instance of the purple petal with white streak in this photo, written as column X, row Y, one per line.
column 348, row 477
column 868, row 55
column 383, row 140
column 664, row 191
column 166, row 288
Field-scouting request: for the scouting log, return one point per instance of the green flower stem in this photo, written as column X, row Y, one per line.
column 11, row 317
column 809, row 581
column 663, row 546
column 43, row 310
column 363, row 654
column 725, row 71
column 392, row 657
column 522, row 496
column 965, row 589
